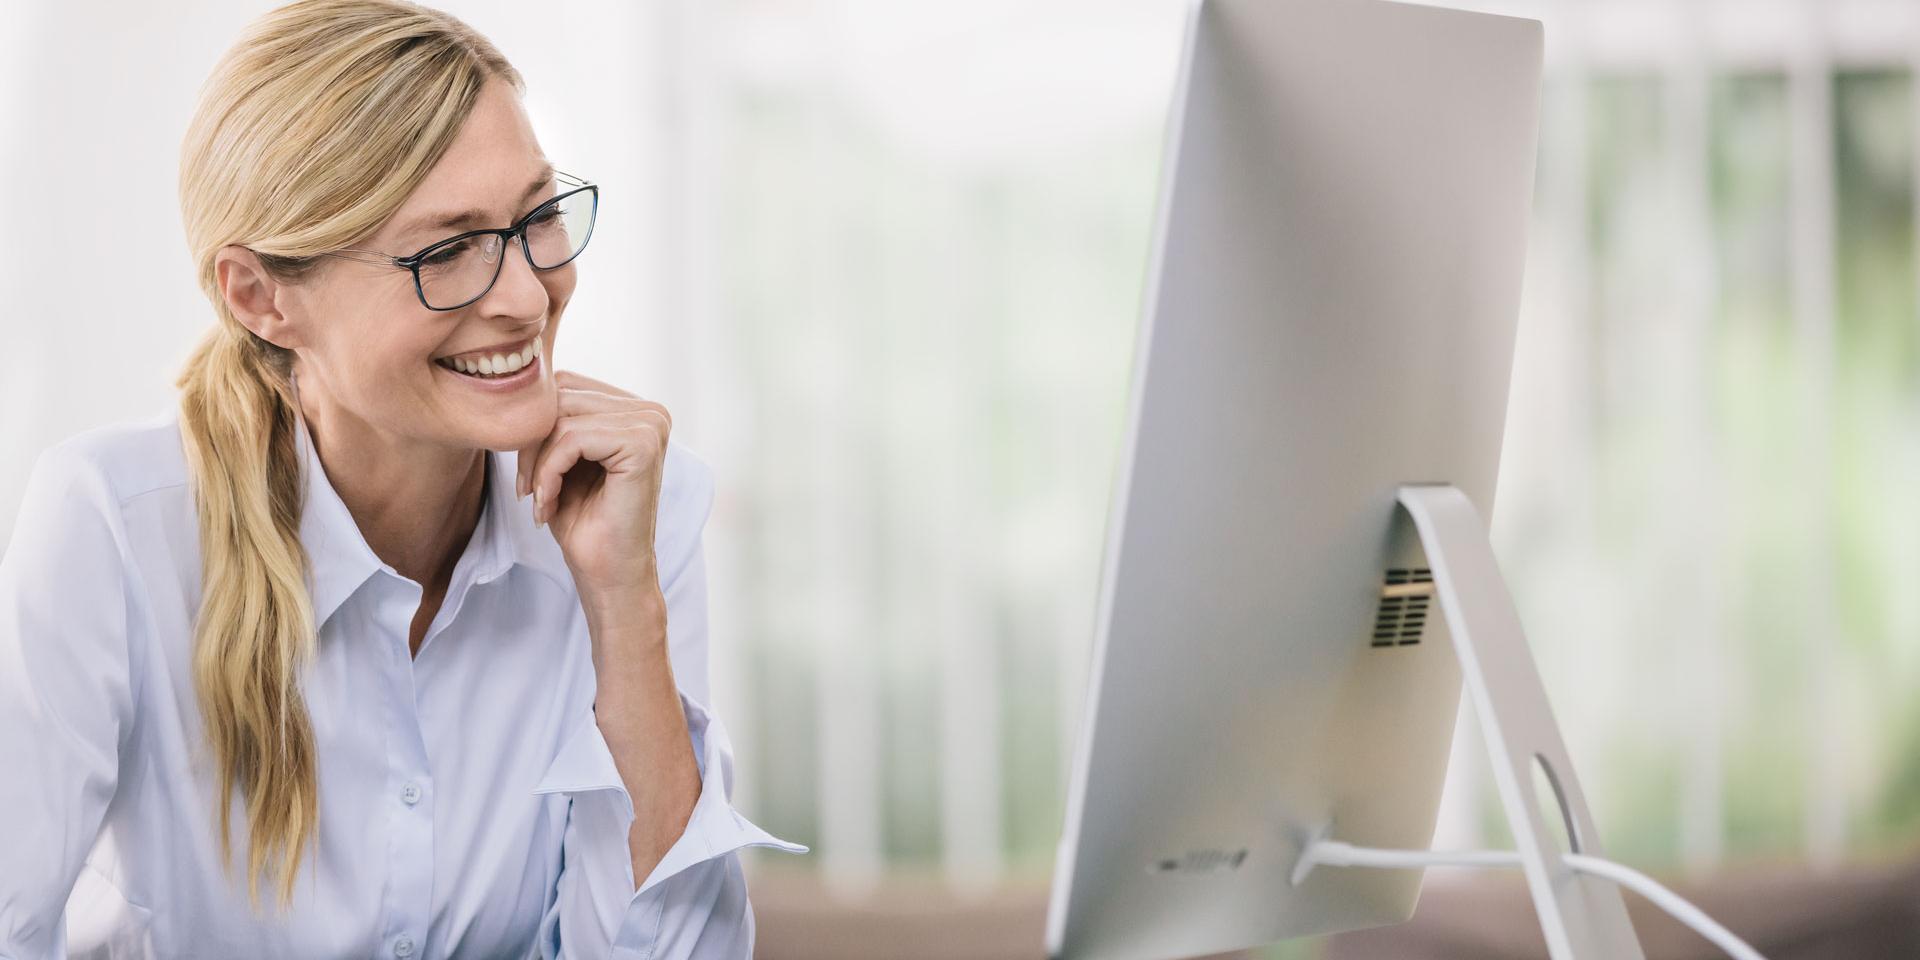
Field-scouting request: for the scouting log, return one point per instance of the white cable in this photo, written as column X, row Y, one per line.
column 1333, row 853
column 1667, row 900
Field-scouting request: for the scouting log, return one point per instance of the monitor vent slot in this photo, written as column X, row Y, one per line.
column 1405, row 599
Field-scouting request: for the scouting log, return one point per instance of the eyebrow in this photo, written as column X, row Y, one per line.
column 466, row 217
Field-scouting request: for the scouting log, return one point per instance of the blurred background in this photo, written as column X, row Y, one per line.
column 884, row 261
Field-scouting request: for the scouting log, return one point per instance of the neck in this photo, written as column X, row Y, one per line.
column 416, row 503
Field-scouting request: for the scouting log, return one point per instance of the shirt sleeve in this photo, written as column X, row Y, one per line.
column 694, row 905
column 66, row 699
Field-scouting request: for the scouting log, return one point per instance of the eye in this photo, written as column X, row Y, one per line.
column 447, row 254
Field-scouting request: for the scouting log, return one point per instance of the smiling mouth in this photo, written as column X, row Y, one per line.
column 495, row 365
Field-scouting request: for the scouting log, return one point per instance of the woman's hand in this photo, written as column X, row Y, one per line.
column 596, row 480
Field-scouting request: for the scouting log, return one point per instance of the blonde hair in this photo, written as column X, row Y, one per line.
column 311, row 131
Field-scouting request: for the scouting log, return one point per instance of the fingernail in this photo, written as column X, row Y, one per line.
column 519, row 487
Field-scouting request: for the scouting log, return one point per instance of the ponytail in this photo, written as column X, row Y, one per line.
column 255, row 626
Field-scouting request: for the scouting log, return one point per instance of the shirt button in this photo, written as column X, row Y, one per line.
column 411, row 794
column 403, row 947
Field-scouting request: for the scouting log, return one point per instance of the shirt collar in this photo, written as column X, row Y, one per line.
column 341, row 560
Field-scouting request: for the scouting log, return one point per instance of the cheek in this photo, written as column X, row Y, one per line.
column 387, row 334
column 397, row 359
column 560, row 284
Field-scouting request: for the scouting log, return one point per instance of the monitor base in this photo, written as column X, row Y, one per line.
column 1582, row 916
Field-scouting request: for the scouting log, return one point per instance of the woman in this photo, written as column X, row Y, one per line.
column 413, row 620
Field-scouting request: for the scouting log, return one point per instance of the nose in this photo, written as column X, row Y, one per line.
column 517, row 291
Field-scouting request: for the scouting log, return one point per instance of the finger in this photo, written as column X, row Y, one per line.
column 602, row 445
column 523, row 465
column 584, row 389
column 571, row 400
column 575, row 402
column 590, row 403
column 602, row 438
column 523, row 468
column 662, row 420
column 568, row 378
column 580, row 400
column 558, row 454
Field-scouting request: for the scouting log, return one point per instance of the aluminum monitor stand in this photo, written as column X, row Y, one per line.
column 1583, row 917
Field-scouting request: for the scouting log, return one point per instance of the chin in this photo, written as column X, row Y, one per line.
column 519, row 439
column 513, row 432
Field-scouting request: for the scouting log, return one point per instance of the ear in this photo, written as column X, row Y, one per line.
column 254, row 296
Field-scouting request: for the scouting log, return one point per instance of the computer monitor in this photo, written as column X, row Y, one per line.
column 1334, row 286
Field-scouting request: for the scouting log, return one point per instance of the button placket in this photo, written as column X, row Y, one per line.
column 410, row 862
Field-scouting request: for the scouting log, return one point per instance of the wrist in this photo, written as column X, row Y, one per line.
column 624, row 608
column 629, row 643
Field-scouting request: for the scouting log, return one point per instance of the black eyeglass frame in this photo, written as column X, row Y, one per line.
column 506, row 235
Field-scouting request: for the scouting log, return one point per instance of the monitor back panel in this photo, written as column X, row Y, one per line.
column 1335, row 283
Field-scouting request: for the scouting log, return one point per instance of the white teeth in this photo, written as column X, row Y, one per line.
column 497, row 364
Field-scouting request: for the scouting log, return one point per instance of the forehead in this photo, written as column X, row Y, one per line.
column 487, row 168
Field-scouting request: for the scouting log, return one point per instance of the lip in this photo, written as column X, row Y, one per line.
column 520, row 378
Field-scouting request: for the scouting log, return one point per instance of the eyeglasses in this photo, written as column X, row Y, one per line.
column 461, row 269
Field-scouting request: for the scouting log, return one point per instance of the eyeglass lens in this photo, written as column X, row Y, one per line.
column 462, row 271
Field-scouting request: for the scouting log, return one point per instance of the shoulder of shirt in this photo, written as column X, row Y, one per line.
column 128, row 458
column 688, row 482
column 686, row 499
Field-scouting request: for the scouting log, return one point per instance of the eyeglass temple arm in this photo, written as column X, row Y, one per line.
column 378, row 258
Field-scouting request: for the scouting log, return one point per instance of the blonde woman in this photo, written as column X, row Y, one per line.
column 390, row 640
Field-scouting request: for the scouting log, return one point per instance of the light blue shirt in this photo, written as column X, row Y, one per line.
column 469, row 806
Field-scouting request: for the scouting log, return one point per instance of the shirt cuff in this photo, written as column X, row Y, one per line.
column 585, row 771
